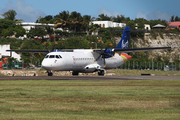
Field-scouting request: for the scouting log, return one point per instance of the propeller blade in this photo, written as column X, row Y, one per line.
column 104, row 62
column 98, row 57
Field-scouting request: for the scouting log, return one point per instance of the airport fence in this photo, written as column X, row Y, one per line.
column 33, row 64
column 36, row 64
column 150, row 66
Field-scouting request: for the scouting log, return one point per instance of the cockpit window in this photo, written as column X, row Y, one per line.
column 47, row 56
column 57, row 56
column 51, row 56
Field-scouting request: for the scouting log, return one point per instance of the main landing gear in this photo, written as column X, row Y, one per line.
column 50, row 73
column 75, row 73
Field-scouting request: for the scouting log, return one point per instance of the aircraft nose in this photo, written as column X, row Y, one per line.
column 45, row 64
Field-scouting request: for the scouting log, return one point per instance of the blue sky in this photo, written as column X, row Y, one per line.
column 30, row 10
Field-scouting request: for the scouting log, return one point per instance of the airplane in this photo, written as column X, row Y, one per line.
column 90, row 60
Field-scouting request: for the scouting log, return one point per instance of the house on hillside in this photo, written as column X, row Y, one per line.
column 159, row 26
column 173, row 25
column 146, row 26
column 106, row 24
column 28, row 25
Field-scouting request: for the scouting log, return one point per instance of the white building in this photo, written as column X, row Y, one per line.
column 107, row 24
column 28, row 25
column 4, row 53
column 147, row 27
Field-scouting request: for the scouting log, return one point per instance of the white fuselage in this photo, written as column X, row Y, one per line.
column 79, row 60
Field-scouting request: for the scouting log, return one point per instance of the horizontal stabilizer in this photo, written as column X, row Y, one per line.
column 139, row 49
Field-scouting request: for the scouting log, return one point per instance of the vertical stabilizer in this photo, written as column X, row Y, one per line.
column 124, row 42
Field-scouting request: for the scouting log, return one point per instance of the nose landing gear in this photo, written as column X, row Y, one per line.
column 101, row 72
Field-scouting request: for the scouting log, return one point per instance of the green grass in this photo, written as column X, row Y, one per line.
column 90, row 100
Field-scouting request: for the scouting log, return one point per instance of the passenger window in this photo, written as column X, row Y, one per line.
column 60, row 56
column 47, row 56
column 51, row 56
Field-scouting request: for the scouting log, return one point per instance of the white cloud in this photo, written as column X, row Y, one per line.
column 153, row 15
column 108, row 13
column 26, row 12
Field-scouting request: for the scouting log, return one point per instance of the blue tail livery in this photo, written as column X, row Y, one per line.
column 124, row 42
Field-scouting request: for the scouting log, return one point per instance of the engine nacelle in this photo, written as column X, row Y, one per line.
column 91, row 68
column 110, row 52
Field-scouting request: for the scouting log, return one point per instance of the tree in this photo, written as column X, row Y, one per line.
column 31, row 44
column 177, row 18
column 6, row 28
column 141, row 22
column 20, row 31
column 7, row 32
column 172, row 18
column 11, row 15
column 131, row 24
column 62, row 20
column 103, row 17
column 40, row 32
column 49, row 31
column 47, row 19
column 86, row 20
column 76, row 21
column 119, row 18
column 155, row 22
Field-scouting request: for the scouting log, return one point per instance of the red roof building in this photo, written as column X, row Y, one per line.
column 173, row 25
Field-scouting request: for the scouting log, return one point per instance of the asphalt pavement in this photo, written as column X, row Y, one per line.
column 105, row 78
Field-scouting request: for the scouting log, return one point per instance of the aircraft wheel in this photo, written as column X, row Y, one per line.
column 101, row 72
column 50, row 74
column 75, row 73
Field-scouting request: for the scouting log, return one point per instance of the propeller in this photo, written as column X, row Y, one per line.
column 103, row 53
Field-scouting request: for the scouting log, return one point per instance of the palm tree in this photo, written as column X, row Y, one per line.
column 11, row 15
column 62, row 20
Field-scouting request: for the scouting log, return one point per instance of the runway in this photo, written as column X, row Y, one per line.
column 100, row 78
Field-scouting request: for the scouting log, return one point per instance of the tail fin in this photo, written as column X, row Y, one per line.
column 124, row 42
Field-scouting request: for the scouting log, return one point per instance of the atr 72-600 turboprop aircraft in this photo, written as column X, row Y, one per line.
column 90, row 60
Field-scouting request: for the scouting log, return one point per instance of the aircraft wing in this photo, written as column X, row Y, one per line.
column 139, row 49
column 33, row 51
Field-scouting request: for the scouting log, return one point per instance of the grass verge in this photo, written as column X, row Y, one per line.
column 101, row 100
